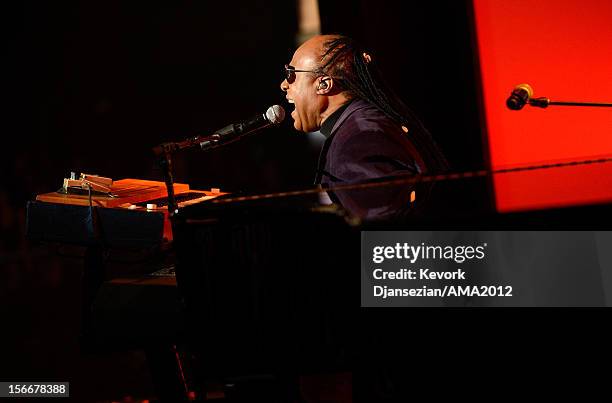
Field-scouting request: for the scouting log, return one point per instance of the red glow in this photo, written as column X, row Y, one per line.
column 563, row 49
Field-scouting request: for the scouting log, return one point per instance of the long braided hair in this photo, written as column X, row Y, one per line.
column 353, row 71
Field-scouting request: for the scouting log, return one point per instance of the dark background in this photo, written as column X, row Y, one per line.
column 91, row 86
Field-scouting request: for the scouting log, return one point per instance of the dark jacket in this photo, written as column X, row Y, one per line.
column 366, row 145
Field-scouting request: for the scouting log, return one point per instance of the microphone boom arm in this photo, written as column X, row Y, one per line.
column 544, row 102
column 230, row 133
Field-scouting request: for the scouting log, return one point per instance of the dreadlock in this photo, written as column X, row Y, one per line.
column 353, row 71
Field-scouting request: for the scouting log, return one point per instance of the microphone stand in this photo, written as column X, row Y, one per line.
column 165, row 163
column 225, row 136
column 544, row 102
column 164, row 153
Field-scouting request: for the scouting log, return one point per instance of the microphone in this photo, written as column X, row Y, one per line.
column 230, row 133
column 273, row 116
column 519, row 97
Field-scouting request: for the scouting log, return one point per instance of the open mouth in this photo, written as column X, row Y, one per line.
column 292, row 102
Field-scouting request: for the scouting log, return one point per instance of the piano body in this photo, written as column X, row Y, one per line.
column 144, row 308
column 125, row 241
column 145, row 200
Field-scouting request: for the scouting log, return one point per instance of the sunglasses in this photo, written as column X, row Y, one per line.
column 290, row 73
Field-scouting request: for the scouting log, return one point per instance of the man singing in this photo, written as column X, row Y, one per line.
column 370, row 134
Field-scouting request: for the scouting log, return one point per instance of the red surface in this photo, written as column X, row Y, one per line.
column 563, row 49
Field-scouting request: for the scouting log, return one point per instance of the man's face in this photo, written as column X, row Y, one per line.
column 302, row 90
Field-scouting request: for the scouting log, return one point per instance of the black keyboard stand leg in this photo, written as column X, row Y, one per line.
column 94, row 272
column 167, row 373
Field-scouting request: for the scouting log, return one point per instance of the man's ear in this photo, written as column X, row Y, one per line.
column 325, row 85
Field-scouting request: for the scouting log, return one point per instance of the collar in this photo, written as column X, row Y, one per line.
column 329, row 123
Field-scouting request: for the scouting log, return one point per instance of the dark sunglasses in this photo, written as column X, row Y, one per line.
column 290, row 73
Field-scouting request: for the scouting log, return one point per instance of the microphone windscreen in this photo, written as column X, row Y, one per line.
column 525, row 87
column 275, row 114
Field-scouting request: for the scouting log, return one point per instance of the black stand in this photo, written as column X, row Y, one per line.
column 164, row 361
column 166, row 369
column 544, row 102
column 164, row 152
column 165, row 163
